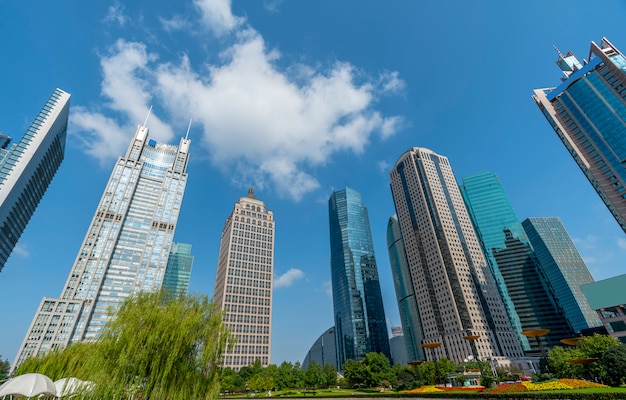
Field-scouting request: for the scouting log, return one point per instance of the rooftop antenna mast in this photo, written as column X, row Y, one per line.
column 147, row 116
column 558, row 51
column 188, row 128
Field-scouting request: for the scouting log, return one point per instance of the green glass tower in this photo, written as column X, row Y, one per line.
column 520, row 279
column 178, row 270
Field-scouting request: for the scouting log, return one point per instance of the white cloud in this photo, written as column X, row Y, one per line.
column 176, row 23
column 216, row 16
column 272, row 5
column 288, row 278
column 21, row 250
column 116, row 14
column 125, row 86
column 271, row 125
column 328, row 289
column 621, row 243
column 383, row 166
column 391, row 82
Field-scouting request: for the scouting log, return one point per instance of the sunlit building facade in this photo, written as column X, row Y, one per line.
column 360, row 324
column 243, row 286
column 27, row 168
column 460, row 308
column 125, row 249
column 588, row 113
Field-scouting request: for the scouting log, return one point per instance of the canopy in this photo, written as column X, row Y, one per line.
column 28, row 385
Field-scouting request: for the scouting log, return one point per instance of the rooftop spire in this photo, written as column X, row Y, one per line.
column 147, row 116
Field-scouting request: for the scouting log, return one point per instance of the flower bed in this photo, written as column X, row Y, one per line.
column 560, row 384
column 509, row 388
column 580, row 384
column 425, row 389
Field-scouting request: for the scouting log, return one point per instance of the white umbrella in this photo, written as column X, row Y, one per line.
column 68, row 386
column 28, row 385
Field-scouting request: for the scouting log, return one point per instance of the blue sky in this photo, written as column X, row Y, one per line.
column 295, row 98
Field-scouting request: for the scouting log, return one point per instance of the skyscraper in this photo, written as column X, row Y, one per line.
column 323, row 351
column 27, row 168
column 460, row 308
column 564, row 267
column 520, row 278
column 588, row 113
column 243, row 286
column 360, row 325
column 125, row 249
column 405, row 295
column 178, row 271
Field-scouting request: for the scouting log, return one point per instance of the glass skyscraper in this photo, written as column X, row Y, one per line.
column 178, row 271
column 360, row 324
column 243, row 285
column 27, row 168
column 405, row 296
column 521, row 280
column 564, row 267
column 588, row 113
column 125, row 249
column 460, row 308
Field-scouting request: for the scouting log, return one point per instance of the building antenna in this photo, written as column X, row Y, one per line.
column 558, row 51
column 147, row 116
column 188, row 128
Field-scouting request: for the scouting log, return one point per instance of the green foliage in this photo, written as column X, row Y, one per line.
column 354, row 373
column 156, row 347
column 614, row 361
column 588, row 347
column 376, row 369
column 4, row 369
column 329, row 373
column 313, row 376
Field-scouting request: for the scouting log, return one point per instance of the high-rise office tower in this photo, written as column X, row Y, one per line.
column 178, row 271
column 27, row 168
column 405, row 296
column 564, row 267
column 125, row 249
column 323, row 351
column 360, row 325
column 588, row 113
column 398, row 348
column 460, row 308
column 513, row 261
column 243, row 286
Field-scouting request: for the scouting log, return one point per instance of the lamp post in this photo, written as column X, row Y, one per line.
column 432, row 346
column 416, row 365
column 537, row 334
column 472, row 341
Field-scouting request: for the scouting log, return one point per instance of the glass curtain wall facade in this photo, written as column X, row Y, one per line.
column 512, row 259
column 27, row 168
column 323, row 350
column 460, row 308
column 243, row 286
column 564, row 267
column 178, row 271
column 125, row 249
column 588, row 113
column 360, row 324
column 405, row 296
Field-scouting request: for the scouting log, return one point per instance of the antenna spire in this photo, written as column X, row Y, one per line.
column 188, row 128
column 147, row 116
column 557, row 51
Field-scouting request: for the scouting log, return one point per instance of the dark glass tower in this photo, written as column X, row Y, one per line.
column 27, row 168
column 520, row 278
column 564, row 267
column 405, row 295
column 360, row 325
column 588, row 113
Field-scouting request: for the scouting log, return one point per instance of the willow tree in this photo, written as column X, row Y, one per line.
column 154, row 347
column 161, row 348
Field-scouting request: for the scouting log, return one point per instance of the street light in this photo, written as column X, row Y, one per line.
column 537, row 333
column 432, row 346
